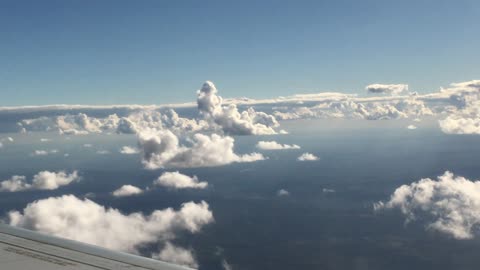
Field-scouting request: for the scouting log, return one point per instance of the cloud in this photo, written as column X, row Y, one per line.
column 86, row 221
column 393, row 89
column 176, row 255
column 177, row 180
column 87, row 145
column 161, row 149
column 283, row 192
column 44, row 180
column 103, row 152
column 45, row 140
column 127, row 190
column 128, row 150
column 44, row 152
column 229, row 118
column 450, row 204
column 411, row 127
column 273, row 145
column 307, row 157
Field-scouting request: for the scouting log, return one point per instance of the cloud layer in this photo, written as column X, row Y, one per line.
column 450, row 204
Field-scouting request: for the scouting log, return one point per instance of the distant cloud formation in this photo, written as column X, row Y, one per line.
column 450, row 204
column 229, row 118
column 177, row 255
column 127, row 190
column 411, row 127
column 176, row 180
column 44, row 152
column 273, row 145
column 162, row 149
column 283, row 192
column 108, row 227
column 44, row 180
column 307, row 157
column 128, row 150
column 392, row 89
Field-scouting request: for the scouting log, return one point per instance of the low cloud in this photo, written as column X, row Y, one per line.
column 44, row 152
column 44, row 180
column 108, row 227
column 128, row 150
column 127, row 190
column 283, row 192
column 411, row 127
column 307, row 157
column 450, row 204
column 176, row 180
column 177, row 255
column 392, row 89
column 162, row 149
column 273, row 145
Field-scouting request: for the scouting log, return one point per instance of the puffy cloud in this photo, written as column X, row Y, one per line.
column 307, row 157
column 44, row 180
column 177, row 255
column 161, row 149
column 283, row 192
column 228, row 117
column 127, row 190
column 411, row 127
column 128, row 150
column 273, row 145
column 86, row 221
column 177, row 180
column 450, row 204
column 393, row 89
column 465, row 121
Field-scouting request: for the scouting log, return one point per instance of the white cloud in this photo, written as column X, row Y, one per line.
column 177, row 180
column 411, row 127
column 393, row 89
column 228, row 117
column 307, row 157
column 283, row 192
column 127, row 190
column 273, row 145
column 44, row 152
column 103, row 152
column 89, row 222
column 44, row 180
column 176, row 255
column 128, row 150
column 328, row 190
column 450, row 204
column 226, row 265
column 87, row 145
column 45, row 140
column 161, row 149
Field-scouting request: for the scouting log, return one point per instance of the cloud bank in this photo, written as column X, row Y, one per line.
column 450, row 204
column 44, row 180
column 176, row 180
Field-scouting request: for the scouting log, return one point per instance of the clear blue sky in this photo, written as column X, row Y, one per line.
column 150, row 52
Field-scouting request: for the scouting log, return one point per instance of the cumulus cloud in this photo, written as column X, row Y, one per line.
column 177, row 255
column 128, row 150
column 273, row 145
column 162, row 149
column 229, row 118
column 127, row 190
column 411, row 127
column 86, row 221
column 450, row 204
column 393, row 89
column 44, row 152
column 177, row 180
column 307, row 157
column 283, row 192
column 44, row 180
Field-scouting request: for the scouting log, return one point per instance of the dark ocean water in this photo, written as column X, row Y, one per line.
column 362, row 161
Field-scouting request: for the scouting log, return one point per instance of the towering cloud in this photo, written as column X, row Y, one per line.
column 89, row 222
column 44, row 180
column 162, row 149
column 450, row 204
column 228, row 117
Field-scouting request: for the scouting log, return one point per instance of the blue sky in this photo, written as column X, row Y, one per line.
column 151, row 52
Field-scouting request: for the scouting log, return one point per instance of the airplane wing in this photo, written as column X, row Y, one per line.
column 27, row 250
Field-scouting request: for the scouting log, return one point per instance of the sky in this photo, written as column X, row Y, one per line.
column 154, row 52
